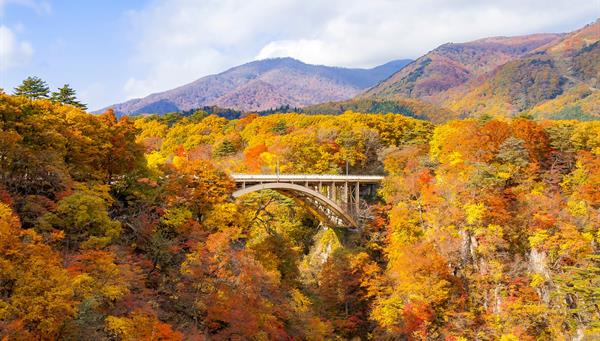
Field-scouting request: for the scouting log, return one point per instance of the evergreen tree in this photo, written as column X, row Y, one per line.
column 224, row 149
column 66, row 95
column 513, row 151
column 32, row 88
column 280, row 128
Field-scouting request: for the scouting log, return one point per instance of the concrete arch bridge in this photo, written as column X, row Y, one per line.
column 334, row 199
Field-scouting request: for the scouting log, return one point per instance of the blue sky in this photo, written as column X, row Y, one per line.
column 110, row 51
column 83, row 43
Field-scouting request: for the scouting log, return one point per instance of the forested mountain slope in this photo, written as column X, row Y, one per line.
column 453, row 64
column 558, row 80
column 546, row 75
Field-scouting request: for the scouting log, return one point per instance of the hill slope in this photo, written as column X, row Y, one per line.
column 451, row 65
column 265, row 84
column 557, row 80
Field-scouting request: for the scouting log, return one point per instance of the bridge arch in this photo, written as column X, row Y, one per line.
column 318, row 204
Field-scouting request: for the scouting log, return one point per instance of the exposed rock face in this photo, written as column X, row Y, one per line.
column 538, row 263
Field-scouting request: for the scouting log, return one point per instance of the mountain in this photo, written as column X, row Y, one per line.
column 559, row 80
column 263, row 85
column 546, row 75
column 453, row 64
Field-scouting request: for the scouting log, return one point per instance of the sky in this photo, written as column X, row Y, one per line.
column 111, row 51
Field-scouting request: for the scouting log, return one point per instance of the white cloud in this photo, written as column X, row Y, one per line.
column 364, row 35
column 13, row 52
column 178, row 41
column 40, row 7
column 181, row 40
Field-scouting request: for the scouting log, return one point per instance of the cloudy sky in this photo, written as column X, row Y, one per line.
column 111, row 51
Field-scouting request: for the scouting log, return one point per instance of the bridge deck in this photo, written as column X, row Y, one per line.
column 306, row 178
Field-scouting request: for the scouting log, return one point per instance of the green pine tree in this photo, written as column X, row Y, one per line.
column 513, row 151
column 66, row 95
column 225, row 148
column 32, row 88
column 280, row 128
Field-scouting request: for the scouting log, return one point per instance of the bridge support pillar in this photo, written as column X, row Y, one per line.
column 346, row 199
column 357, row 199
column 334, row 197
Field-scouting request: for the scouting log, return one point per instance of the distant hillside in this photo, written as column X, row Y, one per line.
column 451, row 65
column 557, row 80
column 406, row 106
column 263, row 85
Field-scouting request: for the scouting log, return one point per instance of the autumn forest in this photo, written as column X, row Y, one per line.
column 125, row 228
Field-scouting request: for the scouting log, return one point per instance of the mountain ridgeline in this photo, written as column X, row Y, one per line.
column 263, row 85
column 547, row 75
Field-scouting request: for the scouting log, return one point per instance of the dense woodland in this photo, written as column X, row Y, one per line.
column 125, row 229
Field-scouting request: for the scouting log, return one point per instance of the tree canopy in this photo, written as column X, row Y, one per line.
column 125, row 228
column 67, row 95
column 32, row 88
